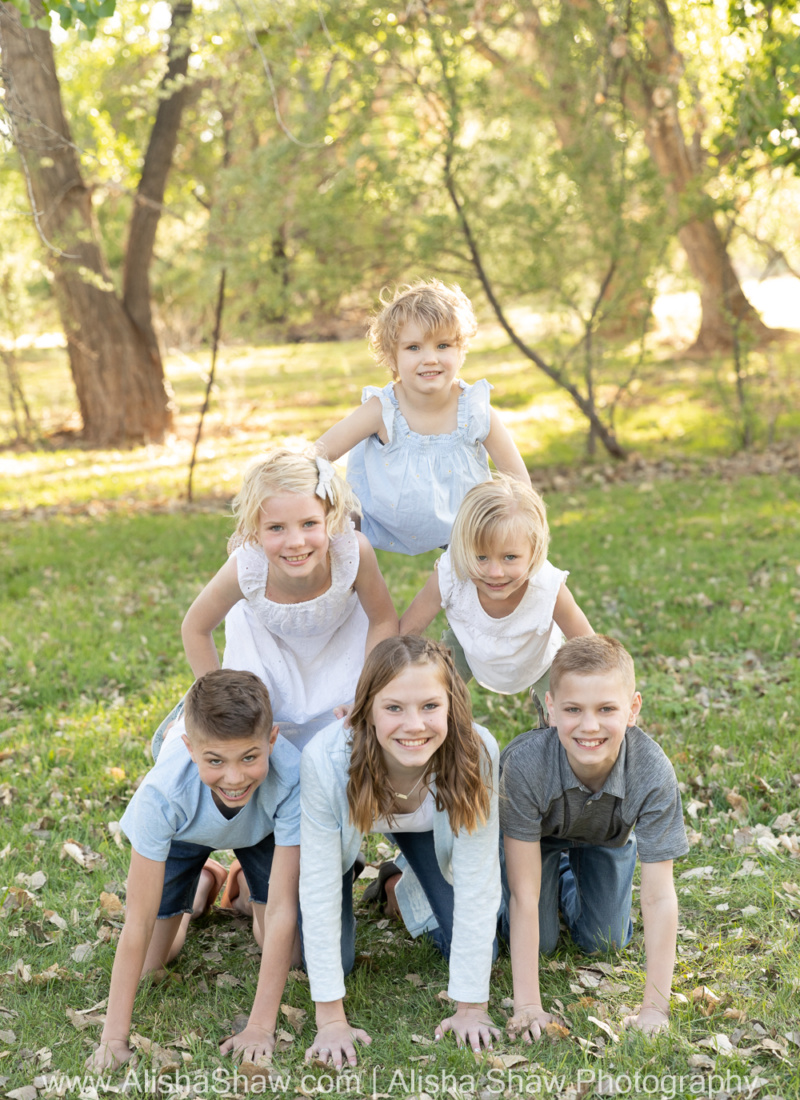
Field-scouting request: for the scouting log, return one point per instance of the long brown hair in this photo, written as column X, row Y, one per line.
column 459, row 764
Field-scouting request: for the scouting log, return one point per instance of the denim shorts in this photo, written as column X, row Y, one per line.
column 185, row 862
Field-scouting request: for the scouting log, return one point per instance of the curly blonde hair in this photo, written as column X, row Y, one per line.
column 435, row 307
column 459, row 765
column 495, row 510
column 282, row 470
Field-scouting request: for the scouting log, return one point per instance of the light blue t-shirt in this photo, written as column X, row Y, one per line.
column 411, row 487
column 173, row 803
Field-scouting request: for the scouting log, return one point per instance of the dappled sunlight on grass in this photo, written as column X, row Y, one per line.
column 265, row 394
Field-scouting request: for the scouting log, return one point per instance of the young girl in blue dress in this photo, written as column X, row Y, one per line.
column 412, row 764
column 417, row 445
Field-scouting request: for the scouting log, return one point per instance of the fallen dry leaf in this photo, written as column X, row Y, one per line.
column 423, row 1040
column 27, row 1092
column 720, row 1043
column 556, row 1031
column 414, row 979
column 506, row 1061
column 704, row 994
column 698, row 872
column 255, row 1069
column 81, row 854
column 604, row 1028
column 295, row 1016
column 110, row 905
column 701, row 1061
column 81, row 1020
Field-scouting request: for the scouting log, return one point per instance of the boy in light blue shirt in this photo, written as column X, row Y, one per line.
column 228, row 782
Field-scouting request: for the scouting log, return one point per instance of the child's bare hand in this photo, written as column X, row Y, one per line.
column 471, row 1024
column 335, row 1043
column 343, row 711
column 249, row 1045
column 648, row 1019
column 109, row 1055
column 529, row 1022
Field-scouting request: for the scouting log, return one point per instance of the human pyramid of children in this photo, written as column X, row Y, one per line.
column 330, row 720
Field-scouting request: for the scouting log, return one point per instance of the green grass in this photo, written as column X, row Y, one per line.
column 700, row 577
column 267, row 393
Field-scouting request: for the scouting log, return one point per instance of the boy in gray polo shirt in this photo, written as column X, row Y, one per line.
column 570, row 798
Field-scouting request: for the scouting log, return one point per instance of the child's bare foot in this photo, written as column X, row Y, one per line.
column 382, row 889
column 212, row 879
column 237, row 892
column 391, row 908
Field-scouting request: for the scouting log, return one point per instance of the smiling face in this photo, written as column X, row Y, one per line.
column 231, row 769
column 501, row 571
column 592, row 713
column 410, row 720
column 426, row 363
column 293, row 534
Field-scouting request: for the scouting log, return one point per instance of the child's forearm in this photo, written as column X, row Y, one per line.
column 660, row 920
column 524, row 945
column 201, row 652
column 377, row 632
column 276, row 960
column 125, row 974
column 423, row 609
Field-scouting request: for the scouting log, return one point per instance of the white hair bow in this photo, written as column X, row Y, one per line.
column 326, row 474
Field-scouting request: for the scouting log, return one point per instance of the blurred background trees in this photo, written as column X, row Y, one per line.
column 573, row 155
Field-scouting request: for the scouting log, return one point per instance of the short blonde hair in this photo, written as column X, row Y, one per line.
column 281, row 470
column 432, row 305
column 492, row 510
column 592, row 655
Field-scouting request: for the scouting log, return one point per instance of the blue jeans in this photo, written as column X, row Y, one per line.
column 591, row 885
column 185, row 862
column 420, row 853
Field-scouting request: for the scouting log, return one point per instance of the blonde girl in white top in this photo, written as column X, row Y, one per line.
column 508, row 608
column 302, row 595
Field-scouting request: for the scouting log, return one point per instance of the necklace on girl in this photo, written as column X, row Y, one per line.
column 405, row 797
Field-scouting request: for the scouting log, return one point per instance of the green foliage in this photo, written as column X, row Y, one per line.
column 87, row 14
column 764, row 116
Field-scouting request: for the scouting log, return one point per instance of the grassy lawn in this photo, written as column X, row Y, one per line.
column 699, row 577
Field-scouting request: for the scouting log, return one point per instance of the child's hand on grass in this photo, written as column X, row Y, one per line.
column 249, row 1045
column 471, row 1024
column 335, row 1042
column 648, row 1019
column 529, row 1022
column 109, row 1055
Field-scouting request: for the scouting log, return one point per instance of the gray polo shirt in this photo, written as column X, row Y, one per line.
column 540, row 797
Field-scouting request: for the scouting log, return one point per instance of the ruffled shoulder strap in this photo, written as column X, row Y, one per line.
column 388, row 402
column 474, row 400
column 252, row 568
column 345, row 559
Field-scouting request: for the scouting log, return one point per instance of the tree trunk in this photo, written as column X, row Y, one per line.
column 152, row 184
column 651, row 99
column 649, row 82
column 115, row 363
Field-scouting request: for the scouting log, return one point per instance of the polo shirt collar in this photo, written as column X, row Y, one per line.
column 615, row 782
